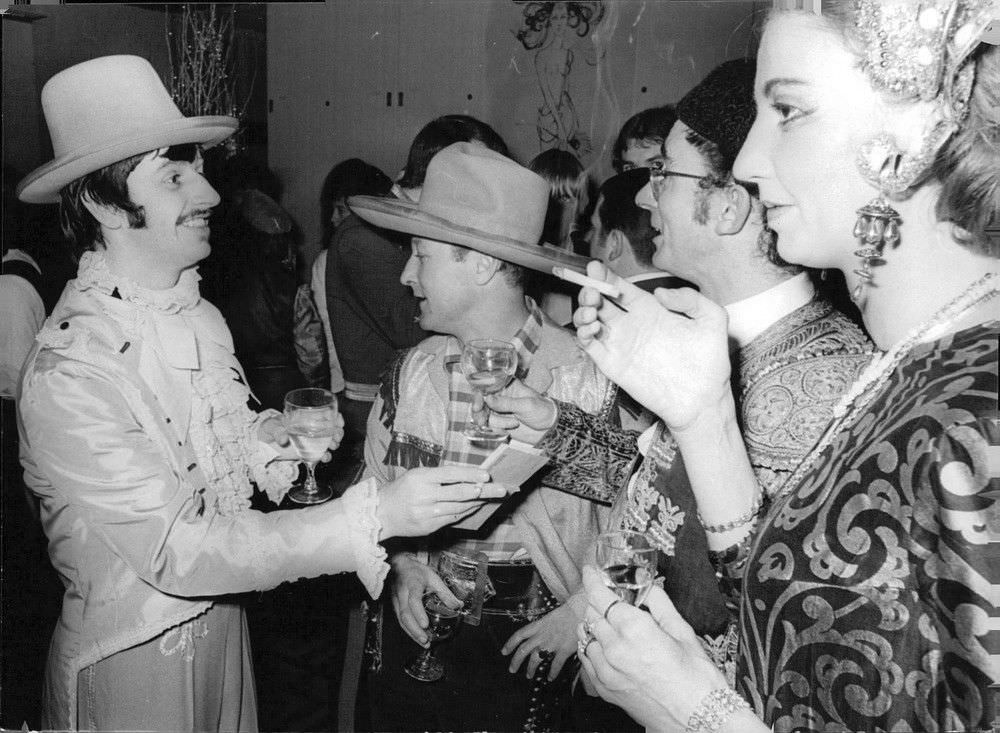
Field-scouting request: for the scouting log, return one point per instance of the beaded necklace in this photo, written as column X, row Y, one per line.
column 870, row 382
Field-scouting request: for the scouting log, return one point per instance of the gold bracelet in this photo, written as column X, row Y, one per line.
column 749, row 516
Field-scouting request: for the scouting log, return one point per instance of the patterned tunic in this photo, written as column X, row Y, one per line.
column 867, row 594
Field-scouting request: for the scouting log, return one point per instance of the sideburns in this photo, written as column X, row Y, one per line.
column 136, row 218
column 700, row 212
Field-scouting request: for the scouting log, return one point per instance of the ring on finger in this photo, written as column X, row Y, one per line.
column 610, row 606
column 479, row 490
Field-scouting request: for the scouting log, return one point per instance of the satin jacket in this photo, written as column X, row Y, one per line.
column 145, row 526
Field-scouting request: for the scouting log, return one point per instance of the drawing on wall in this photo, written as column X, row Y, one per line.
column 551, row 30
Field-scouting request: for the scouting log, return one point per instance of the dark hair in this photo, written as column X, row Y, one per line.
column 107, row 187
column 354, row 177
column 351, row 177
column 617, row 209
column 438, row 134
column 651, row 125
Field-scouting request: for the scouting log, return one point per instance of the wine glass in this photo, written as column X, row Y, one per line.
column 442, row 622
column 627, row 561
column 310, row 419
column 489, row 365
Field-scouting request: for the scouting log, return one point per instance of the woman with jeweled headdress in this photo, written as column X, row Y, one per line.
column 869, row 581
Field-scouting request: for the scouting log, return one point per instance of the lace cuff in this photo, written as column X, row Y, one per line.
column 592, row 458
column 272, row 477
column 360, row 502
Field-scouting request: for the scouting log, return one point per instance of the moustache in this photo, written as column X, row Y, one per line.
column 196, row 214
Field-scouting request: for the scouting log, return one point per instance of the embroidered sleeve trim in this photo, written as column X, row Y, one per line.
column 592, row 459
column 360, row 503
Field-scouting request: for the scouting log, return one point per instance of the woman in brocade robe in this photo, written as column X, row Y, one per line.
column 866, row 583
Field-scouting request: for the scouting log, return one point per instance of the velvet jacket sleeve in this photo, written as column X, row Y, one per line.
column 107, row 474
column 590, row 457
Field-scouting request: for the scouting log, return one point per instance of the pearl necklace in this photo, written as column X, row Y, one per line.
column 871, row 380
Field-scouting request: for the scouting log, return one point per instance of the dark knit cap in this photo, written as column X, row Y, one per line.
column 721, row 107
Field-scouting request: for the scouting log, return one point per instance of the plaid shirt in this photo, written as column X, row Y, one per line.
column 459, row 450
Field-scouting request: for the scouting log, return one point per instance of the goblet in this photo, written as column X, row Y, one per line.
column 310, row 419
column 442, row 622
column 627, row 562
column 489, row 365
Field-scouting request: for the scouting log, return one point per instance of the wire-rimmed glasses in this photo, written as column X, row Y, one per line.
column 657, row 177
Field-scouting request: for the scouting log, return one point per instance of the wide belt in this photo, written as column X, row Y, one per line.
column 513, row 589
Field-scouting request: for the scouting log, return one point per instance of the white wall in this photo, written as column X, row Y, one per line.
column 330, row 66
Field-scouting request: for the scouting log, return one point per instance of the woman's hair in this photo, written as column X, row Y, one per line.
column 968, row 165
column 568, row 188
column 563, row 172
column 438, row 134
column 106, row 187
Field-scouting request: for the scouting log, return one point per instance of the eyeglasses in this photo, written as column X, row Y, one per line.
column 657, row 177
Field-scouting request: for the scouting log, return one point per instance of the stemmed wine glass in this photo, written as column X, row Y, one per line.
column 627, row 561
column 489, row 365
column 310, row 419
column 442, row 622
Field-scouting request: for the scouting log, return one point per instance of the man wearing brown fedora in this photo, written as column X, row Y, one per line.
column 475, row 233
column 138, row 441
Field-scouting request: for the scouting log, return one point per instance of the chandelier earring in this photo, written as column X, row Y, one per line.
column 891, row 171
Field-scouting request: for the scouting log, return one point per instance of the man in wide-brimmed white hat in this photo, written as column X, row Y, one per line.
column 138, row 441
column 476, row 233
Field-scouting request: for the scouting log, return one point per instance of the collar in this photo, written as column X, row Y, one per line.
column 163, row 312
column 655, row 275
column 526, row 341
column 750, row 317
column 94, row 273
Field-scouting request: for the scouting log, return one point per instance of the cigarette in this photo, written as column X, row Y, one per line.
column 588, row 282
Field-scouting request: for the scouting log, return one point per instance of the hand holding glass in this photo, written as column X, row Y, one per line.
column 489, row 365
column 442, row 622
column 627, row 562
column 310, row 419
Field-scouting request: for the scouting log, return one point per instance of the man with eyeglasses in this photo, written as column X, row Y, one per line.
column 794, row 355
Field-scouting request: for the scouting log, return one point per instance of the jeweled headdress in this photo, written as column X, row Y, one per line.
column 921, row 49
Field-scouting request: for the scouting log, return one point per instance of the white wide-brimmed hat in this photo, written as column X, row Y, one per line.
column 476, row 198
column 106, row 110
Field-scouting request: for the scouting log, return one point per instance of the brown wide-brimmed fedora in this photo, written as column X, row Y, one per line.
column 106, row 110
column 476, row 198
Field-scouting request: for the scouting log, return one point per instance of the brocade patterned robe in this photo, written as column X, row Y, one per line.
column 870, row 594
